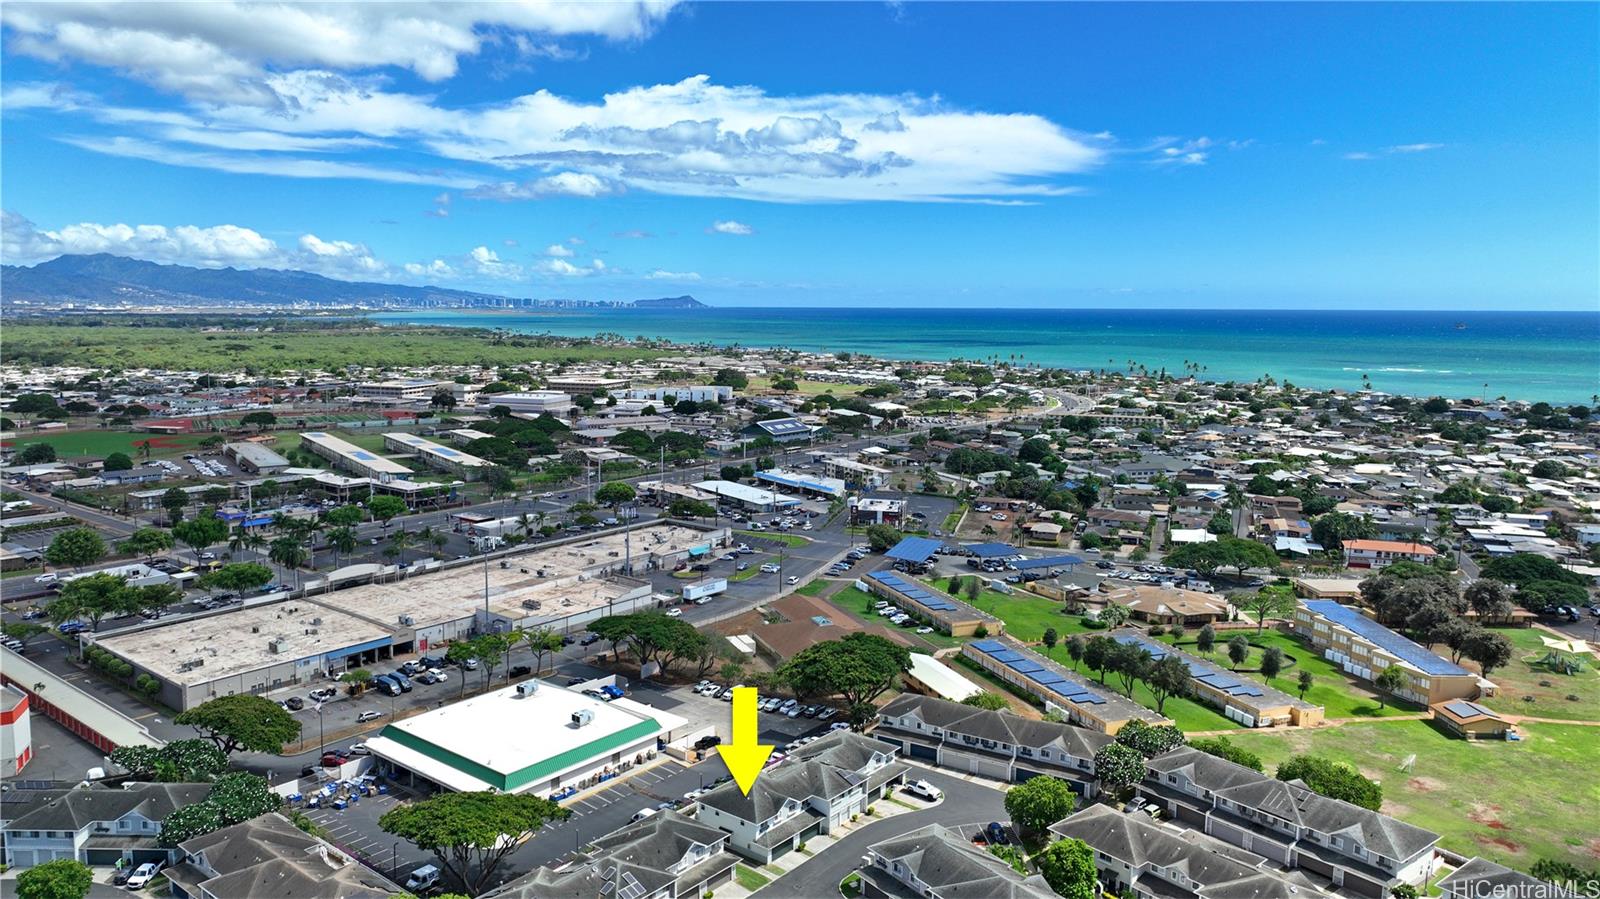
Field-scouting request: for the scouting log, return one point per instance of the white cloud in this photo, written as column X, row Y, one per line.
column 632, row 234
column 293, row 167
column 223, row 50
column 438, row 268
column 1359, row 155
column 557, row 250
column 730, row 227
column 566, row 269
column 563, row 184
column 661, row 275
column 1414, row 148
column 341, row 257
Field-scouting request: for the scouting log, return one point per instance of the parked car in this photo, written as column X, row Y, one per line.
column 674, row 613
column 521, row 671
column 997, row 834
column 428, row 678
column 589, row 639
column 924, row 790
column 142, row 875
column 368, row 715
column 357, row 749
column 423, row 878
column 295, row 703
column 334, row 759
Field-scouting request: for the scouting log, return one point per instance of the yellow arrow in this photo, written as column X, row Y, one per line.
column 744, row 757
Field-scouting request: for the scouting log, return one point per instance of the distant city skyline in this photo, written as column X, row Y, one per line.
column 1333, row 156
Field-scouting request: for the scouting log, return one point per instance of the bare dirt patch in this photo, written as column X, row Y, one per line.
column 1502, row 843
column 1425, row 784
column 1487, row 815
column 1591, row 847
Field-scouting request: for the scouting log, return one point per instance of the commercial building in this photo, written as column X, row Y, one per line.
column 1362, row 852
column 585, row 383
column 1241, row 699
column 752, row 499
column 532, row 402
column 438, row 456
column 464, row 436
column 876, row 510
column 995, row 744
column 1136, row 856
column 1364, row 648
column 943, row 611
column 99, row 825
column 699, row 393
column 269, row 856
column 248, row 650
column 785, row 430
column 859, row 475
column 829, row 488
column 665, row 856
column 1343, row 589
column 937, row 863
column 931, row 677
column 255, row 458
column 1382, row 553
column 817, row 788
column 1085, row 704
column 532, row 737
column 352, row 458
column 16, row 731
column 407, row 390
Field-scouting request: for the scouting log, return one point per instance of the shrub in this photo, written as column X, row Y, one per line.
column 1157, row 630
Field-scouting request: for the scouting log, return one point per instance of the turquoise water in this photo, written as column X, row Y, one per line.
column 1550, row 356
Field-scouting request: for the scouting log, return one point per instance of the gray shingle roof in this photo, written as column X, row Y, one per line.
column 1000, row 726
column 953, row 867
column 268, row 857
column 823, row 769
column 644, row 852
column 76, row 809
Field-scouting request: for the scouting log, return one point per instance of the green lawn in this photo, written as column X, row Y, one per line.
column 749, row 573
column 813, row 588
column 1186, row 713
column 1510, row 802
column 104, row 443
column 790, row 540
column 1521, row 678
column 1026, row 615
column 859, row 604
column 750, row 879
column 953, row 520
column 1339, row 694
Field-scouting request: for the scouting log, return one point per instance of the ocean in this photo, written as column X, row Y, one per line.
column 1550, row 356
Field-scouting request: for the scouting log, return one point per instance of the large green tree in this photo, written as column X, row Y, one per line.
column 178, row 761
column 63, row 878
column 75, row 548
column 1039, row 802
column 1332, row 529
column 201, row 532
column 1068, row 866
column 239, row 577
column 93, row 597
column 1118, row 767
column 243, row 721
column 147, row 542
column 858, row 667
column 1224, row 748
column 471, row 833
column 1332, row 779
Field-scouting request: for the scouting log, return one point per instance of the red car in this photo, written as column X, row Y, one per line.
column 334, row 759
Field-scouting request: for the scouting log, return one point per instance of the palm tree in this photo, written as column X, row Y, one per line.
column 399, row 542
column 287, row 553
column 438, row 541
column 526, row 524
column 343, row 542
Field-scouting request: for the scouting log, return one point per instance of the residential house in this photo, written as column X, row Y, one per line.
column 1480, row 878
column 819, row 787
column 1134, row 854
column 99, row 825
column 664, row 856
column 1364, row 852
column 995, row 744
column 935, row 862
column 269, row 856
column 1171, row 605
column 1381, row 553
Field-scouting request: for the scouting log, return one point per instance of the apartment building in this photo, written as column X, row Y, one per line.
column 407, row 390
column 994, row 744
column 1382, row 553
column 943, row 611
column 1364, row 648
column 665, row 856
column 1361, row 851
column 268, row 856
column 99, row 825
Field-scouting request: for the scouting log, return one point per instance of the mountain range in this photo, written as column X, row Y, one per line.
column 104, row 280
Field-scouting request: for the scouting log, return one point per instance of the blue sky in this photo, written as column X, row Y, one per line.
column 1210, row 155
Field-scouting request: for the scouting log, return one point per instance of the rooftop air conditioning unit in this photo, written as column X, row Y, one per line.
column 275, row 645
column 582, row 717
column 527, row 688
column 407, row 620
column 316, row 621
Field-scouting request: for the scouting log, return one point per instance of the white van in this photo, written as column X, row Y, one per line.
column 423, row 878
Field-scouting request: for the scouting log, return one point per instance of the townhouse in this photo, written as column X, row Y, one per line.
column 1361, row 851
column 1084, row 703
column 994, row 744
column 665, row 856
column 269, row 856
column 935, row 862
column 1133, row 854
column 99, row 825
column 813, row 791
column 1364, row 648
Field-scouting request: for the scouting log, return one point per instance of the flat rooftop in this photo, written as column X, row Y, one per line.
column 349, row 451
column 442, row 596
column 510, row 742
column 236, row 642
column 428, row 448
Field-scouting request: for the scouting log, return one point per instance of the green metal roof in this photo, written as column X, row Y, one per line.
column 520, row 778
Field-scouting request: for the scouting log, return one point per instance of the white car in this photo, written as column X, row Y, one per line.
column 674, row 613
column 924, row 790
column 838, row 726
column 142, row 875
column 792, row 579
column 48, row 577
column 368, row 715
column 924, row 630
column 357, row 749
column 442, row 676
column 770, row 568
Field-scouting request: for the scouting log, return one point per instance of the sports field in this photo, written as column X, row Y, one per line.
column 104, row 443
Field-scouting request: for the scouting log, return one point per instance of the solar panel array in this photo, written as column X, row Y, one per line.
column 912, row 591
column 1210, row 675
column 1391, row 642
column 1464, row 709
column 1039, row 674
column 1046, row 562
column 993, row 550
column 913, row 549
